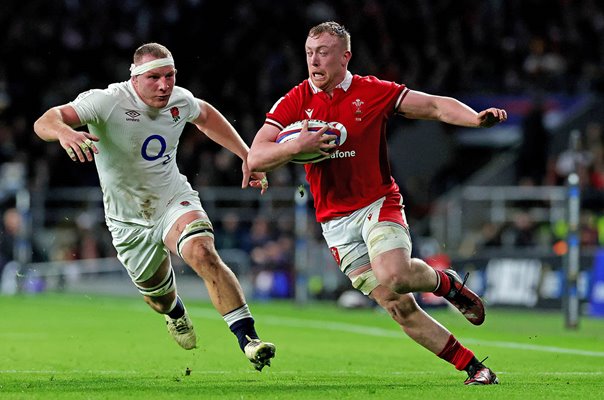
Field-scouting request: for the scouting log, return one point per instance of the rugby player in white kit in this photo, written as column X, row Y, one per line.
column 150, row 208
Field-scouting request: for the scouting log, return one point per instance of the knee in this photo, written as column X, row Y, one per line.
column 202, row 256
column 397, row 280
column 405, row 276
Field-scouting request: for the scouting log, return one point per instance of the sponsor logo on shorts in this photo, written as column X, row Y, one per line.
column 185, row 203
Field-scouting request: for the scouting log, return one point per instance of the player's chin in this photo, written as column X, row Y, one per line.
column 318, row 80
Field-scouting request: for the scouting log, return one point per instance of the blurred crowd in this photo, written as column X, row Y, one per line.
column 527, row 226
column 242, row 56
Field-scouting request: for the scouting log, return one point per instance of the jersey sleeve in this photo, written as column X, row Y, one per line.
column 194, row 107
column 93, row 106
column 394, row 93
column 285, row 110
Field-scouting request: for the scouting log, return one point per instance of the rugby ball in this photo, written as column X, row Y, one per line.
column 292, row 131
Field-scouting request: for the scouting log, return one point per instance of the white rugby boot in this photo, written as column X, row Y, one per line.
column 182, row 331
column 259, row 353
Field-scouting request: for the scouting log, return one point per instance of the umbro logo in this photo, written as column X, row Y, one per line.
column 132, row 115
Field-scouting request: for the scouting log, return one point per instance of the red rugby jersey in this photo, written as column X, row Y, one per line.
column 358, row 172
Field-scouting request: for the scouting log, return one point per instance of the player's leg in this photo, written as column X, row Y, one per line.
column 389, row 246
column 353, row 246
column 393, row 267
column 159, row 292
column 147, row 261
column 396, row 270
column 191, row 237
column 426, row 331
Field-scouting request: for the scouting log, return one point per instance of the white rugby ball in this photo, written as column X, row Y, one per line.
column 292, row 131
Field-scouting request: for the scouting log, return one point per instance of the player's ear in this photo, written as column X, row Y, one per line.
column 346, row 57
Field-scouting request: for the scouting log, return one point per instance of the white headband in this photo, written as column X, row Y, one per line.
column 149, row 65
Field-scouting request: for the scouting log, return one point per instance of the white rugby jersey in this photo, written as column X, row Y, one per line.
column 136, row 162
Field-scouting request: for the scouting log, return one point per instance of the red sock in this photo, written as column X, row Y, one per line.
column 445, row 284
column 455, row 353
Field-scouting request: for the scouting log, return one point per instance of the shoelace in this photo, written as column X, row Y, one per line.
column 254, row 342
column 181, row 326
column 455, row 291
column 463, row 284
column 476, row 368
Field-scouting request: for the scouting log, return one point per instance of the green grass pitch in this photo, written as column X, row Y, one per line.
column 93, row 347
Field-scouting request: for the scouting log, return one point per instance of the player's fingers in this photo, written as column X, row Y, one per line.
column 76, row 154
column 500, row 114
column 259, row 184
column 71, row 153
column 263, row 184
column 328, row 138
column 86, row 149
column 92, row 146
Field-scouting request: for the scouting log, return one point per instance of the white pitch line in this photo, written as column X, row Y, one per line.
column 535, row 347
column 208, row 313
column 380, row 332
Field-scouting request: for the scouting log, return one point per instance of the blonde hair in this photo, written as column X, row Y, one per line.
column 332, row 28
column 155, row 49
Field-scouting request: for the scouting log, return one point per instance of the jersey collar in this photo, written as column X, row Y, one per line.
column 344, row 85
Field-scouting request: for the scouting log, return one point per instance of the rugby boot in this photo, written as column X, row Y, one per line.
column 465, row 300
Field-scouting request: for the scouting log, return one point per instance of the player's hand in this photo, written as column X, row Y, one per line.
column 259, row 180
column 79, row 145
column 315, row 142
column 491, row 116
column 253, row 179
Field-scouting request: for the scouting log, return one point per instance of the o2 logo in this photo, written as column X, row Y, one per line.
column 163, row 145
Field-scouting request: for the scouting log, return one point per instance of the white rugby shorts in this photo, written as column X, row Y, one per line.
column 348, row 237
column 140, row 248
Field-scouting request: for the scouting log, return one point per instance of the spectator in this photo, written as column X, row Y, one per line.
column 11, row 234
column 230, row 234
column 534, row 150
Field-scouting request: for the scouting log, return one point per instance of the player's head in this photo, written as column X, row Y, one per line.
column 327, row 54
column 153, row 74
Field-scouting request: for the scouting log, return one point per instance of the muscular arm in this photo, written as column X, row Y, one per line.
column 215, row 126
column 418, row 105
column 266, row 155
column 55, row 121
column 58, row 123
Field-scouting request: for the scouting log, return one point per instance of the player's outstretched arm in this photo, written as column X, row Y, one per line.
column 419, row 105
column 215, row 126
column 57, row 124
